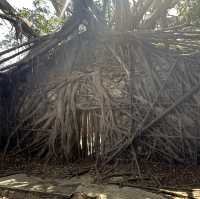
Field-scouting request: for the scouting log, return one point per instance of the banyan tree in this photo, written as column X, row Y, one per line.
column 117, row 80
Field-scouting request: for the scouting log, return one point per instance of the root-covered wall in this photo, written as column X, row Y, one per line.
column 105, row 93
column 134, row 98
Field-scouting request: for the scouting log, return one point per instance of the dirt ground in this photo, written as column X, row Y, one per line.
column 66, row 188
column 22, row 179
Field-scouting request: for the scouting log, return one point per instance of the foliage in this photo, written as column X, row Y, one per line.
column 8, row 40
column 189, row 12
column 41, row 17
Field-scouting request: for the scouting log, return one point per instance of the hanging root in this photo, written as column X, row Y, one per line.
column 144, row 103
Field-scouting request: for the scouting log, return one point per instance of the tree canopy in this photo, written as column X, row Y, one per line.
column 126, row 14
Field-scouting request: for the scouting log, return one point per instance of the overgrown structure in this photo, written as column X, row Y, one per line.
column 94, row 91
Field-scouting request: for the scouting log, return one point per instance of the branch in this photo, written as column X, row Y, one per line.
column 31, row 41
column 10, row 15
column 68, row 28
column 8, row 18
column 16, row 54
column 6, row 7
column 58, row 6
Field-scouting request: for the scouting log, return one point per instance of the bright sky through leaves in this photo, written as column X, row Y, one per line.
column 21, row 3
column 29, row 4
